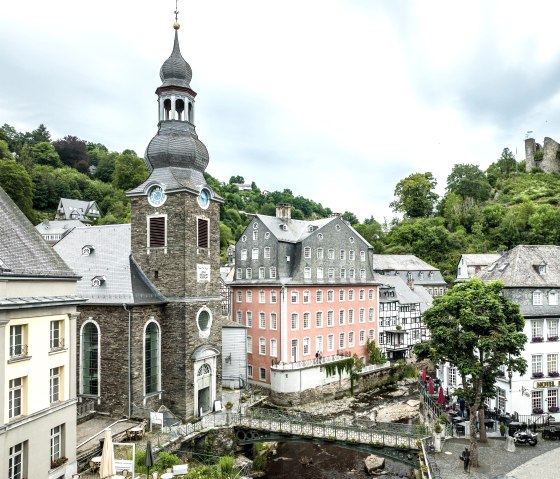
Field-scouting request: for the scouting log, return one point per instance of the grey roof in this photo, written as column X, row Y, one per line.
column 175, row 71
column 480, row 259
column 23, row 252
column 228, row 323
column 519, row 267
column 295, row 231
column 57, row 227
column 77, row 209
column 404, row 294
column 396, row 262
column 36, row 301
column 426, row 299
column 110, row 260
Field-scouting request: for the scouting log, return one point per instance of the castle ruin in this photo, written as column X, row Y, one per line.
column 545, row 157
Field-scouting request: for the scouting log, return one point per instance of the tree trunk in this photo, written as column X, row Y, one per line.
column 472, row 419
column 481, row 426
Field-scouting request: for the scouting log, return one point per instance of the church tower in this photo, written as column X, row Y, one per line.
column 175, row 223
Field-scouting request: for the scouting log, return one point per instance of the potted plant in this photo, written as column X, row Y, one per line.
column 538, row 374
column 553, row 409
column 58, row 462
column 554, row 374
column 537, row 339
column 437, row 436
column 537, row 410
column 502, row 429
column 553, row 338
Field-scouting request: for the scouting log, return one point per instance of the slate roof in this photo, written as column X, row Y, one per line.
column 397, row 262
column 77, row 209
column 57, row 227
column 480, row 259
column 296, row 230
column 519, row 267
column 23, row 252
column 111, row 260
column 403, row 293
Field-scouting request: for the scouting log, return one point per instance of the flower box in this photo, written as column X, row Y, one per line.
column 538, row 375
column 58, row 462
column 553, row 374
column 537, row 339
column 553, row 338
column 553, row 409
column 537, row 410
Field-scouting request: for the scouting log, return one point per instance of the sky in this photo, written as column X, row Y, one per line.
column 337, row 100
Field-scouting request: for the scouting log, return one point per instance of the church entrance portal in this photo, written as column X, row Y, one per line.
column 204, row 385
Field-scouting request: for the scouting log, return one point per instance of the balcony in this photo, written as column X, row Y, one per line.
column 396, row 347
column 57, row 345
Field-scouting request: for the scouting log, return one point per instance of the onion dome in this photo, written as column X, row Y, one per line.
column 175, row 71
column 176, row 145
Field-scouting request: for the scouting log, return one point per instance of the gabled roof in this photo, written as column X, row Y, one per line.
column 57, row 227
column 23, row 252
column 400, row 262
column 403, row 293
column 294, row 230
column 480, row 259
column 77, row 209
column 519, row 267
column 109, row 259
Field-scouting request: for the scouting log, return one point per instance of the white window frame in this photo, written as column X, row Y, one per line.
column 273, row 321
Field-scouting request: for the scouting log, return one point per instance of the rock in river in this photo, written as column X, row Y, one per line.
column 396, row 412
column 373, row 462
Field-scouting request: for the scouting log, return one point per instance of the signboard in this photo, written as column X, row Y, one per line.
column 156, row 418
column 203, row 273
column 546, row 384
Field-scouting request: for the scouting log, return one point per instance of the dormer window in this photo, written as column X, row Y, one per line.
column 421, row 275
column 431, row 274
column 97, row 281
column 542, row 268
column 87, row 250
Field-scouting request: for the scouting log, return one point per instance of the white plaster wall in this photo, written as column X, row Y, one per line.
column 291, row 381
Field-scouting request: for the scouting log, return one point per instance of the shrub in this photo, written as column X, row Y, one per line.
column 437, row 427
column 167, row 460
column 226, row 467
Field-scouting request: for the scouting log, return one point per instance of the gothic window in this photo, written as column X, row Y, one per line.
column 203, row 238
column 157, row 231
column 151, row 358
column 90, row 359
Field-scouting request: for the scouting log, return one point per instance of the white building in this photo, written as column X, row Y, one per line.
column 37, row 353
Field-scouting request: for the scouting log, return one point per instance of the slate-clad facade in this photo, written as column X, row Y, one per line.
column 302, row 289
column 151, row 332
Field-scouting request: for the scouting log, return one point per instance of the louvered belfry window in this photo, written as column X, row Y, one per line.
column 157, row 231
column 202, row 233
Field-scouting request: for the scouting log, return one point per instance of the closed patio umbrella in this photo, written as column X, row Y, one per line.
column 107, row 467
column 423, row 375
column 149, row 458
column 430, row 386
column 441, row 396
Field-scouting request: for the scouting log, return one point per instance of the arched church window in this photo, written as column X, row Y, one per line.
column 190, row 112
column 167, row 109
column 90, row 359
column 180, row 109
column 151, row 357
column 204, row 370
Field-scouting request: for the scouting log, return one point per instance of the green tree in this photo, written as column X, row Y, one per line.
column 18, row 184
column 350, row 217
column 469, row 181
column 373, row 233
column 5, row 151
column 73, row 152
column 105, row 167
column 478, row 330
column 415, row 195
column 236, row 180
column 130, row 171
column 374, row 354
column 43, row 153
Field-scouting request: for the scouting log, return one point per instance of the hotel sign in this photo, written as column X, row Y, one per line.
column 546, row 384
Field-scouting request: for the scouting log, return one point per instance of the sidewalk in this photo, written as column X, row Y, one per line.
column 541, row 461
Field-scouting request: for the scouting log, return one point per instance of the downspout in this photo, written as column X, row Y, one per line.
column 129, row 352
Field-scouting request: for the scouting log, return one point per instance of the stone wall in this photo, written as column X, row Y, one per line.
column 550, row 162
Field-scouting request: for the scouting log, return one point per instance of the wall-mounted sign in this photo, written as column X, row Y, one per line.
column 203, row 273
column 546, row 384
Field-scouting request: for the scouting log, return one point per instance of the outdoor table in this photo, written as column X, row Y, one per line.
column 136, row 432
column 97, row 461
column 489, row 423
column 457, row 419
column 460, row 428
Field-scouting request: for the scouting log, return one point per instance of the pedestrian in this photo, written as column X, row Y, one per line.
column 466, row 458
column 462, row 407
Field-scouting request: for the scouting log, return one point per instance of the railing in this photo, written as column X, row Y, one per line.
column 307, row 363
column 19, row 351
column 57, row 344
column 374, row 367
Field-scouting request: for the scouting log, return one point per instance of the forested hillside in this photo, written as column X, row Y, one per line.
column 481, row 211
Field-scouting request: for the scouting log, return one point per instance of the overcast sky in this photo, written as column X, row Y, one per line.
column 335, row 99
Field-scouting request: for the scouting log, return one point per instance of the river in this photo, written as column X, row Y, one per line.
column 306, row 460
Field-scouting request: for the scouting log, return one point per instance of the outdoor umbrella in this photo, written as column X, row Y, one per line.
column 149, row 458
column 441, row 397
column 423, row 375
column 430, row 386
column 107, row 466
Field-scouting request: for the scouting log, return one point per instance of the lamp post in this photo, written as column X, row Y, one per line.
column 510, row 375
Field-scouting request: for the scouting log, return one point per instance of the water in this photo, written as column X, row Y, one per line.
column 328, row 462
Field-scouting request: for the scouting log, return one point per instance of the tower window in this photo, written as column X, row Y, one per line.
column 180, row 109
column 157, row 237
column 202, row 233
column 167, row 108
column 190, row 112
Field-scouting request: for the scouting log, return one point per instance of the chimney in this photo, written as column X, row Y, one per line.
column 284, row 211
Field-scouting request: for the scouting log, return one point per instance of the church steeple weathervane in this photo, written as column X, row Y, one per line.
column 176, row 25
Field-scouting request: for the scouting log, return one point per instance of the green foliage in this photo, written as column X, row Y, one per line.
column 374, row 354
column 226, row 468
column 43, row 153
column 17, row 183
column 415, row 195
column 73, row 152
column 340, row 366
column 259, row 456
column 166, row 460
column 130, row 171
column 468, row 181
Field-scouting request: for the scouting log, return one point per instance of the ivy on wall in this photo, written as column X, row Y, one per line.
column 344, row 365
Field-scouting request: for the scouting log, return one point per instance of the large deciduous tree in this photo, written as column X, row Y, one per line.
column 478, row 330
column 468, row 181
column 129, row 172
column 73, row 152
column 18, row 184
column 415, row 195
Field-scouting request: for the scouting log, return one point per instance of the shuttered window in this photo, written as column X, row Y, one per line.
column 156, row 227
column 202, row 230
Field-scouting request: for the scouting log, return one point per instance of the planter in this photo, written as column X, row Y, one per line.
column 537, row 410
column 553, row 338
column 537, row 339
column 437, row 441
column 538, row 375
column 58, row 462
column 554, row 374
column 553, row 409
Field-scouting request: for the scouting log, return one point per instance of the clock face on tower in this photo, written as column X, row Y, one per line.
column 204, row 198
column 156, row 195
